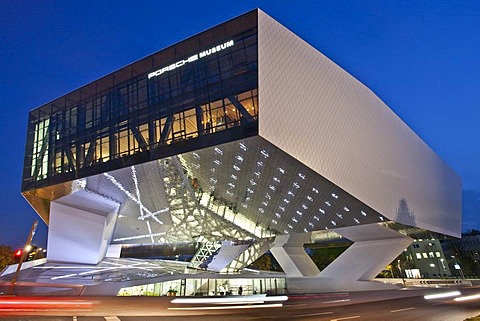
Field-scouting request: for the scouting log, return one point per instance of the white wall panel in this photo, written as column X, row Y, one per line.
column 81, row 227
column 321, row 115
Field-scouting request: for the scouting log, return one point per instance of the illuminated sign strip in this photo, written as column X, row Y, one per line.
column 191, row 58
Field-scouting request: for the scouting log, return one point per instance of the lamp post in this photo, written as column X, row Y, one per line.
column 401, row 273
column 26, row 249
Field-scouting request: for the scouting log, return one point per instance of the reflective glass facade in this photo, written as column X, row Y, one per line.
column 198, row 93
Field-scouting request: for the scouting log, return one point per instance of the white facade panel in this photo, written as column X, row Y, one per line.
column 81, row 227
column 325, row 118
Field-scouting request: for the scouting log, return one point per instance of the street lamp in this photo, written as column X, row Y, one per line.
column 401, row 273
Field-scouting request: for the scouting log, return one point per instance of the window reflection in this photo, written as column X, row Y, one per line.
column 216, row 94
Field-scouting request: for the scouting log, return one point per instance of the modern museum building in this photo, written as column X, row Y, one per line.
column 241, row 139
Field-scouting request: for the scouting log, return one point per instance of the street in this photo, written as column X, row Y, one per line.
column 378, row 306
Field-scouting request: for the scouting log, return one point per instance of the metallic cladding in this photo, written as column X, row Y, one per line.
column 318, row 113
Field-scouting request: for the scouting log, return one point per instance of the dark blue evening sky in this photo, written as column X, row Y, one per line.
column 420, row 57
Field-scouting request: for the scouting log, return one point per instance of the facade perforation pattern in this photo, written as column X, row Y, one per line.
column 343, row 131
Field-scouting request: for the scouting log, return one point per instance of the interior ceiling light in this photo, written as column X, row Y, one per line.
column 136, row 237
column 136, row 199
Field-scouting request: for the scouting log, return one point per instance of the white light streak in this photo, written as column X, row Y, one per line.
column 250, row 299
column 63, row 276
column 133, row 198
column 274, row 305
column 468, row 297
column 150, row 231
column 441, row 295
column 136, row 237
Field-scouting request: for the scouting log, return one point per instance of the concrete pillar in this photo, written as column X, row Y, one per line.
column 289, row 252
column 374, row 247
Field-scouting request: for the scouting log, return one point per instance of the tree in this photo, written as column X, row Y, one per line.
column 471, row 232
column 6, row 256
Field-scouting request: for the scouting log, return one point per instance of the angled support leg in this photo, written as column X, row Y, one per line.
column 289, row 252
column 374, row 247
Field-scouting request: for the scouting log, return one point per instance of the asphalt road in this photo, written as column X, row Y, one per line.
column 378, row 306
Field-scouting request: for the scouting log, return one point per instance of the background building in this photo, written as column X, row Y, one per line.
column 242, row 138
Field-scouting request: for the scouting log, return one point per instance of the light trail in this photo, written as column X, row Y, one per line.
column 441, row 295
